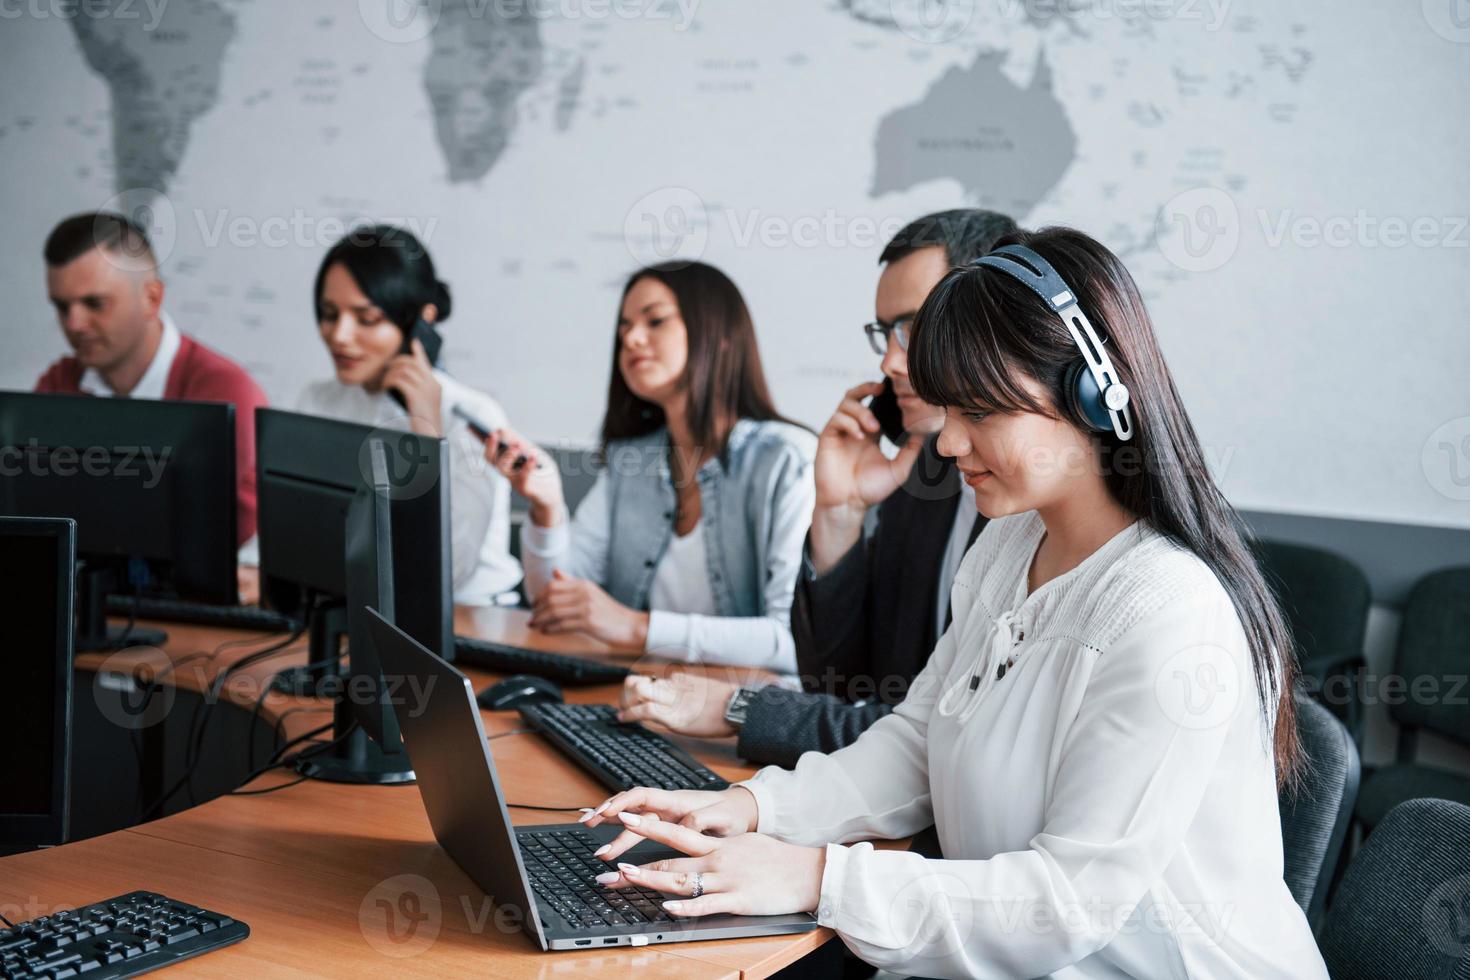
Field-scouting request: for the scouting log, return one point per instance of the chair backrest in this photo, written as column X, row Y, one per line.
column 1434, row 653
column 1403, row 908
column 1325, row 599
column 1316, row 813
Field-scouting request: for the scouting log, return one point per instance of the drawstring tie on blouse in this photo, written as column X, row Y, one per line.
column 976, row 682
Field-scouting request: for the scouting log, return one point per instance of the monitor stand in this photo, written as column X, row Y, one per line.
column 94, row 584
column 357, row 758
column 322, row 675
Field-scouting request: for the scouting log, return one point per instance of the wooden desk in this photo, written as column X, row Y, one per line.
column 312, row 867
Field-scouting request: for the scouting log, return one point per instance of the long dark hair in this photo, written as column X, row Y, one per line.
column 393, row 269
column 980, row 332
column 724, row 377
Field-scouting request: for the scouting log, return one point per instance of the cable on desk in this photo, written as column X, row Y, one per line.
column 207, row 701
column 264, row 692
column 276, row 761
column 270, row 789
column 196, row 747
column 7, row 922
column 513, row 731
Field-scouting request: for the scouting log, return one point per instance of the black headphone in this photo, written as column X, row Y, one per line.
column 1090, row 386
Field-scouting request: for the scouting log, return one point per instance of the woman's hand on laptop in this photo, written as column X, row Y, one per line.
column 722, row 813
column 749, row 874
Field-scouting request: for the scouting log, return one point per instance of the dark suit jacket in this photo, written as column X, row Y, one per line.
column 865, row 629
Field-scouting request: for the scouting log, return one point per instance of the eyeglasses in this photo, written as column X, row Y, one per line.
column 878, row 332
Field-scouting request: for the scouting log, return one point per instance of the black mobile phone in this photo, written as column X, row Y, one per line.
column 481, row 431
column 884, row 407
column 423, row 331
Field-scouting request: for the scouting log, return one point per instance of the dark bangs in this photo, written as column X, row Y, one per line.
column 956, row 356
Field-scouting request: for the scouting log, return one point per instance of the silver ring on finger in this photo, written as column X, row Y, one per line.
column 698, row 885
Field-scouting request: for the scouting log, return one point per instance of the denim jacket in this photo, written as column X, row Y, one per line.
column 756, row 505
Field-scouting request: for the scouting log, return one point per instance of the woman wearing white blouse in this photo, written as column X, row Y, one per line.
column 1100, row 734
column 371, row 289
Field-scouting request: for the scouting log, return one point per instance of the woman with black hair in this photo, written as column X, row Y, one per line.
column 372, row 288
column 689, row 541
column 1100, row 734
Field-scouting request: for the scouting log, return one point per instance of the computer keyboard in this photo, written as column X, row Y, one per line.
column 122, row 937
column 562, row 869
column 505, row 659
column 620, row 756
column 202, row 613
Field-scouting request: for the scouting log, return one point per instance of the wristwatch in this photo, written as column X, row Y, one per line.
column 736, row 708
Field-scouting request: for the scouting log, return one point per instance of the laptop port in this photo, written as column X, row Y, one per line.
column 584, row 942
column 609, row 942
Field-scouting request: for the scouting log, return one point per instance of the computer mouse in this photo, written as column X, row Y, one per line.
column 517, row 690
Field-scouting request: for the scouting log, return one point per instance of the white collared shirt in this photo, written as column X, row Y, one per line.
column 154, row 380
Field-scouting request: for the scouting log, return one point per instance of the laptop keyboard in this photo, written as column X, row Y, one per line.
column 562, row 872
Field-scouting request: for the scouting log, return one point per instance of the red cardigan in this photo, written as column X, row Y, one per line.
column 198, row 374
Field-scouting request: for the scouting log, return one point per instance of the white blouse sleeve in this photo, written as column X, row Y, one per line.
column 876, row 787
column 1133, row 767
column 579, row 550
column 474, row 497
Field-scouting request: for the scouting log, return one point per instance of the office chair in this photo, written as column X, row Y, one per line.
column 1403, row 908
column 1434, row 645
column 1315, row 815
column 1325, row 599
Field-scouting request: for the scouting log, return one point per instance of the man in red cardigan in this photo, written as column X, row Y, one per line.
column 103, row 280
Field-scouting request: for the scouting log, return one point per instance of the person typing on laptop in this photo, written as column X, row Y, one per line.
column 1100, row 734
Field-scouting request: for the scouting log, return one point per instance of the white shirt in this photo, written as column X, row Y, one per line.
column 674, row 632
column 954, row 552
column 1106, row 810
column 479, row 497
column 681, row 581
column 151, row 385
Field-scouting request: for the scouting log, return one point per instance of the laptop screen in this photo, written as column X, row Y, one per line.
column 441, row 727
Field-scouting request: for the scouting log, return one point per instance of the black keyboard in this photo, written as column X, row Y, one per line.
column 505, row 659
column 563, row 872
column 620, row 756
column 202, row 613
column 122, row 937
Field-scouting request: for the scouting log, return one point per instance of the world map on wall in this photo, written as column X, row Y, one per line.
column 592, row 136
column 1006, row 143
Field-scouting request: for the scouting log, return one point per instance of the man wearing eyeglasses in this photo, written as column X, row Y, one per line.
column 887, row 536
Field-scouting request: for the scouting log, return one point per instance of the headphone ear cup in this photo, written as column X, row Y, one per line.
column 1084, row 397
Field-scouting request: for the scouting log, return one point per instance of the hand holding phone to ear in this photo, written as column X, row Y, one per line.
column 852, row 474
column 411, row 377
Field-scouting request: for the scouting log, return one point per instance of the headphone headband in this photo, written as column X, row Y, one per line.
column 1036, row 274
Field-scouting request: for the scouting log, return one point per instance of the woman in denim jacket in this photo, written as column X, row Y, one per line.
column 689, row 542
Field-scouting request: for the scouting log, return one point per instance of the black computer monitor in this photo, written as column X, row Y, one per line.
column 38, row 564
column 151, row 485
column 317, row 478
column 369, row 748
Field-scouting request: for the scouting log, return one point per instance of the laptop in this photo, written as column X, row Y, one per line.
column 545, row 873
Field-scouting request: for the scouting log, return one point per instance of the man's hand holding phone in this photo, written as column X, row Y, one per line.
column 852, row 474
